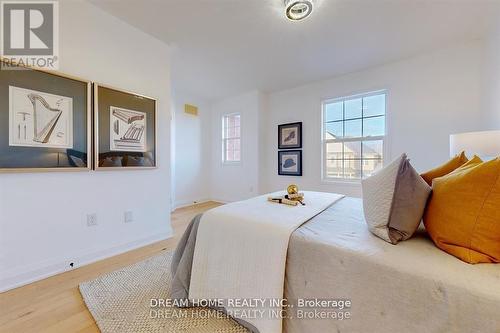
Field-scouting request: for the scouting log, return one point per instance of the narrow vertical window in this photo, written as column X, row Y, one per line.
column 231, row 138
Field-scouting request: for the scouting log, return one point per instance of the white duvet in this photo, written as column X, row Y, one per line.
column 240, row 255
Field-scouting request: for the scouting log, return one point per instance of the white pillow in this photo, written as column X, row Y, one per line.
column 394, row 201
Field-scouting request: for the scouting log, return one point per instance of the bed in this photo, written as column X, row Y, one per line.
column 409, row 287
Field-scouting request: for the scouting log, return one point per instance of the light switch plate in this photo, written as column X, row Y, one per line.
column 128, row 216
column 91, row 220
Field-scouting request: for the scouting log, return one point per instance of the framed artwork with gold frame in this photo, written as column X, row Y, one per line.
column 45, row 121
column 124, row 130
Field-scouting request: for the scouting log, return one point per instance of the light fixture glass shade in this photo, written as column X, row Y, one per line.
column 485, row 144
column 297, row 10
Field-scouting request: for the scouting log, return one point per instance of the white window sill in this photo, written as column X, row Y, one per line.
column 340, row 181
column 231, row 163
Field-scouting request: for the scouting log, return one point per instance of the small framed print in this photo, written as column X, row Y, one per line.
column 290, row 136
column 290, row 163
column 124, row 130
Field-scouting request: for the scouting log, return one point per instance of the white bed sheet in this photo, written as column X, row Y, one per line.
column 409, row 287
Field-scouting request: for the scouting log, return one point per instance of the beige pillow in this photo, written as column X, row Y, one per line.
column 394, row 201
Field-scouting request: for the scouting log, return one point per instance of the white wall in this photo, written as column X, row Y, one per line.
column 492, row 78
column 192, row 163
column 429, row 97
column 43, row 215
column 240, row 181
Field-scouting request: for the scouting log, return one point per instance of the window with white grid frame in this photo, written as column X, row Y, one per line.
column 353, row 136
column 231, row 138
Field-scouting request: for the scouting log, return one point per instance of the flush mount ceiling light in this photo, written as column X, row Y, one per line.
column 297, row 10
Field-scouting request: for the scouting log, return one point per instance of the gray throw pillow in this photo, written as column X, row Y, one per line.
column 135, row 161
column 112, row 162
column 394, row 201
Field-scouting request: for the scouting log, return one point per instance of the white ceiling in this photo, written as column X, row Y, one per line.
column 225, row 47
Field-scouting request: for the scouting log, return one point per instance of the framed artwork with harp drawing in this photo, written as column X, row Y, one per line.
column 45, row 121
column 124, row 129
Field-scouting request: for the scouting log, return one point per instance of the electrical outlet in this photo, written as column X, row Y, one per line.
column 128, row 216
column 91, row 220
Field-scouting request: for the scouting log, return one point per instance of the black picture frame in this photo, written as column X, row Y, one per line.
column 292, row 158
column 290, row 132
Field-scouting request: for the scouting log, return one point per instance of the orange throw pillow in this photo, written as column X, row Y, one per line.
column 463, row 214
column 445, row 169
column 471, row 163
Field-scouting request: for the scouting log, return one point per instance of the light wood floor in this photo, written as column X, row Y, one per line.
column 55, row 304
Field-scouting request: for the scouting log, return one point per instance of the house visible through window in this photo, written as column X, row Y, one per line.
column 231, row 138
column 353, row 136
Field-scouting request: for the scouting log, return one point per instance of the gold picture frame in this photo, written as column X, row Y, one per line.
column 43, row 155
column 127, row 109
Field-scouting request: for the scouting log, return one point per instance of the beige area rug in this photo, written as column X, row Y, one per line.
column 121, row 302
